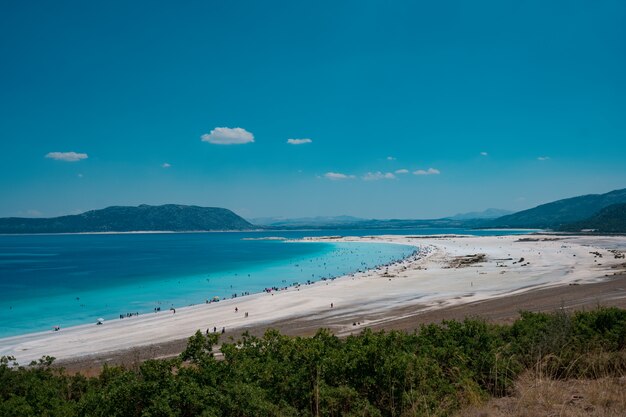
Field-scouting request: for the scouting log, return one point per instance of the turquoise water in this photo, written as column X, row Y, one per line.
column 48, row 280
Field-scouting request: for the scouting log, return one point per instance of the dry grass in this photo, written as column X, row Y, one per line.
column 535, row 395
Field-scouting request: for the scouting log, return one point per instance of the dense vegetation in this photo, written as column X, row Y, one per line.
column 169, row 217
column 611, row 219
column 559, row 213
column 431, row 372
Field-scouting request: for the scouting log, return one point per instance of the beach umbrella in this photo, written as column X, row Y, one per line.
column 216, row 298
column 100, row 320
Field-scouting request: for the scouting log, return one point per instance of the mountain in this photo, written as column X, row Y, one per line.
column 558, row 213
column 377, row 224
column 490, row 213
column 169, row 217
column 611, row 219
column 305, row 221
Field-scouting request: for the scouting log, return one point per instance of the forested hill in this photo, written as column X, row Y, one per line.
column 169, row 217
column 561, row 212
column 611, row 219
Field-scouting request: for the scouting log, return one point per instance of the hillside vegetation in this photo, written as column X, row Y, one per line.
column 611, row 219
column 169, row 217
column 560, row 213
column 436, row 371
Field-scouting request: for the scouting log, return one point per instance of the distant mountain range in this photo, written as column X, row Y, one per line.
column 490, row 213
column 559, row 213
column 570, row 214
column 169, row 217
column 358, row 223
column 351, row 222
column 604, row 213
column 305, row 221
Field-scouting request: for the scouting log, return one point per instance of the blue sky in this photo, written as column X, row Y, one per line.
column 501, row 104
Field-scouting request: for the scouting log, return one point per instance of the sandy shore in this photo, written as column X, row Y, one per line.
column 454, row 277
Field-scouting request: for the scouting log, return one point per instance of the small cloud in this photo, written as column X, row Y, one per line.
column 543, row 158
column 165, row 165
column 391, row 158
column 67, row 156
column 336, row 176
column 375, row 176
column 80, row 175
column 484, row 154
column 228, row 136
column 402, row 171
column 299, row 141
column 429, row 171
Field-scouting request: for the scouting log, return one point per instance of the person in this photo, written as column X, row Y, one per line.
column 236, row 309
column 331, row 305
column 246, row 314
column 223, row 330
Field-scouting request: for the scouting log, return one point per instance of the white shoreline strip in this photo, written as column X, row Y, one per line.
column 427, row 281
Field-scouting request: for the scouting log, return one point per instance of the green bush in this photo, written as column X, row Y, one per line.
column 431, row 372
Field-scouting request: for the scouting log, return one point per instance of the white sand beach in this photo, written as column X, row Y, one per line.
column 450, row 270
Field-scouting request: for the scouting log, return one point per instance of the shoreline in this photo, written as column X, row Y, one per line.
column 502, row 310
column 435, row 281
column 194, row 294
column 260, row 230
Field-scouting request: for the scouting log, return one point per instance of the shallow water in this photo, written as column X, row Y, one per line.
column 49, row 280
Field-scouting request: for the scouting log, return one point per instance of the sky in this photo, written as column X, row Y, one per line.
column 377, row 109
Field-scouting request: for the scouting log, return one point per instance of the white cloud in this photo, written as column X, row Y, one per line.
column 299, row 141
column 228, row 136
column 543, row 158
column 335, row 176
column 484, row 153
column 67, row 156
column 429, row 171
column 165, row 165
column 402, row 171
column 375, row 176
column 80, row 175
column 391, row 158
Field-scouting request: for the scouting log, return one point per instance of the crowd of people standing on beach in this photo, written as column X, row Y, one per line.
column 383, row 266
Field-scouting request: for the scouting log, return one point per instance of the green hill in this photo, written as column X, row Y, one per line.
column 562, row 212
column 611, row 219
column 169, row 217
